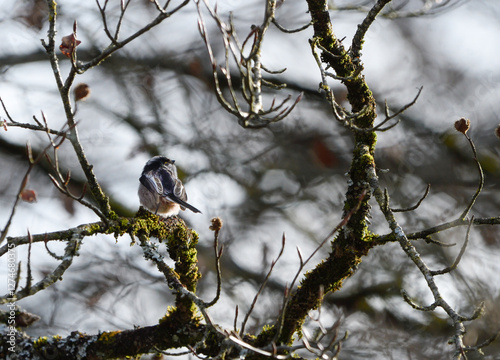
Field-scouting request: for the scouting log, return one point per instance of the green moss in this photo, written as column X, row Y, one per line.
column 108, row 337
column 144, row 222
column 40, row 342
column 174, row 320
column 124, row 222
column 266, row 336
column 370, row 237
column 362, row 162
column 213, row 342
column 170, row 310
column 181, row 243
column 93, row 229
column 112, row 215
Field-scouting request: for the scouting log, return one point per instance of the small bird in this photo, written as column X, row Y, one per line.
column 160, row 190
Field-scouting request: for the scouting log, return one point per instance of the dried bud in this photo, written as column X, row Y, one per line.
column 462, row 125
column 69, row 44
column 81, row 92
column 4, row 124
column 28, row 195
column 497, row 131
column 216, row 224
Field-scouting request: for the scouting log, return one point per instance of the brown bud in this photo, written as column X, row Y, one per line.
column 462, row 125
column 216, row 224
column 28, row 195
column 81, row 92
column 497, row 131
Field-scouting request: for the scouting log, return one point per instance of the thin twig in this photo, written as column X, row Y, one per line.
column 424, row 234
column 108, row 51
column 288, row 292
column 484, row 343
column 414, row 207
column 263, row 285
column 427, row 274
column 216, row 227
column 32, row 162
column 459, row 256
column 29, row 277
column 64, row 91
column 481, row 179
column 397, row 113
column 57, row 274
column 290, row 31
column 250, row 69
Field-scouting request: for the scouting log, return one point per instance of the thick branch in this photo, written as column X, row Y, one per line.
column 353, row 240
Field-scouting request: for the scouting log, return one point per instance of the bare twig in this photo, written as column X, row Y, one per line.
column 424, row 234
column 234, row 337
column 32, row 162
column 428, row 8
column 64, row 91
column 290, row 31
column 102, row 10
column 342, row 115
column 63, row 235
column 249, row 67
column 483, row 344
column 414, row 207
column 216, row 227
column 459, row 256
column 262, row 285
column 397, row 113
column 69, row 253
column 116, row 45
column 29, row 277
column 38, row 127
column 456, row 318
column 410, row 302
column 481, row 179
column 288, row 293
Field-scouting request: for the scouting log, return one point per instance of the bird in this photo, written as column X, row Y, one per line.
column 160, row 190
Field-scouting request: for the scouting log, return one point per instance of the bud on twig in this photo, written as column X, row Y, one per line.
column 28, row 196
column 69, row 43
column 216, row 224
column 462, row 125
column 497, row 131
column 81, row 92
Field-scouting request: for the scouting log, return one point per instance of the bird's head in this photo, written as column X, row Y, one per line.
column 158, row 162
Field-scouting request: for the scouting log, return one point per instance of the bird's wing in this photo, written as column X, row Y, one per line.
column 179, row 190
column 166, row 182
column 172, row 189
column 149, row 183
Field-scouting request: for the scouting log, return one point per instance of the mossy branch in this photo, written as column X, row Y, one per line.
column 353, row 241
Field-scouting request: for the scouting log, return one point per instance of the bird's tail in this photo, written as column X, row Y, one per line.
column 185, row 204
